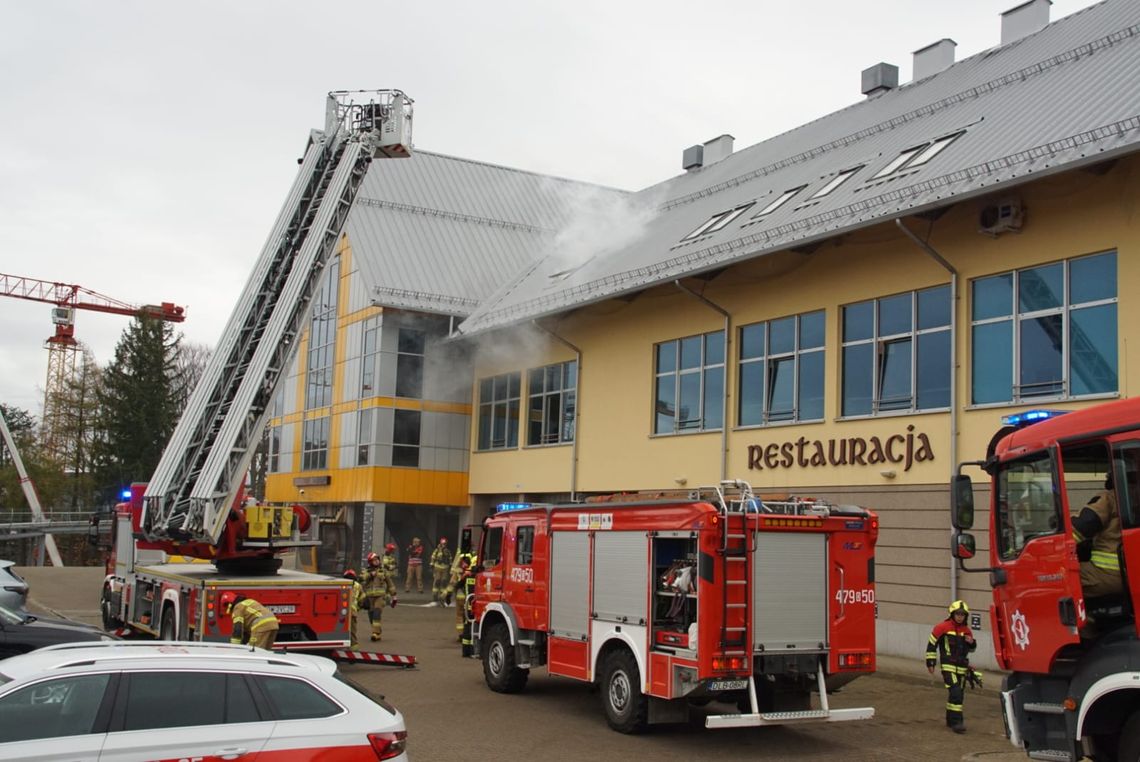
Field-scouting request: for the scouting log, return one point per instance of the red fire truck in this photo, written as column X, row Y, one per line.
column 1074, row 686
column 670, row 601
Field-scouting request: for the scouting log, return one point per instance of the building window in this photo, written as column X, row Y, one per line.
column 499, row 412
column 690, row 384
column 835, row 182
column 322, row 341
column 365, row 438
column 781, row 370
column 1047, row 331
column 779, row 201
column 718, row 221
column 553, row 400
column 406, row 438
column 896, row 353
column 410, row 364
column 916, row 156
column 315, row 444
column 369, row 359
column 274, row 459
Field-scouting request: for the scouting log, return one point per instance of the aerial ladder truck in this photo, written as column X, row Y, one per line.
column 194, row 507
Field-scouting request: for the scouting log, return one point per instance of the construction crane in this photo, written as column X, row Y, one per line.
column 62, row 347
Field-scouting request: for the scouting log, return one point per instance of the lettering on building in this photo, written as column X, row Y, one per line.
column 900, row 449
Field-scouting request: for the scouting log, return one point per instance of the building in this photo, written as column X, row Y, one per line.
column 845, row 310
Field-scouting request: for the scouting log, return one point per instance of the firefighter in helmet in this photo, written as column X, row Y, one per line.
column 389, row 561
column 252, row 622
column 1096, row 530
column 379, row 590
column 461, row 585
column 356, row 601
column 415, row 555
column 951, row 642
column 440, row 569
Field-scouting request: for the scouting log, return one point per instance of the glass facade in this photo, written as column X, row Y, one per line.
column 781, row 370
column 552, row 393
column 322, row 340
column 499, row 412
column 689, row 384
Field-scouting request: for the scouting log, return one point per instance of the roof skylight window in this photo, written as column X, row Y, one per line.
column 917, row 155
column 779, row 201
column 836, row 181
column 718, row 221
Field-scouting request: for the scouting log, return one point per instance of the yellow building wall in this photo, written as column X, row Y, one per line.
column 1067, row 216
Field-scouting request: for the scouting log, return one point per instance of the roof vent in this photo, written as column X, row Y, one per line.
column 1024, row 20
column 718, row 148
column 933, row 58
column 693, row 158
column 880, row 78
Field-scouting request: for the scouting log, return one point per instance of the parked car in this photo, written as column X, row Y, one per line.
column 172, row 700
column 21, row 632
column 13, row 588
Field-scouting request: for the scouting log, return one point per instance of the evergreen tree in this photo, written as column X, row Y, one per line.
column 140, row 398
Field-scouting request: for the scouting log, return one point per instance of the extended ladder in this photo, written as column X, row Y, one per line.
column 203, row 465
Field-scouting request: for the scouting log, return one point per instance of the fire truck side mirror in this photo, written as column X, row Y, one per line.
column 962, row 502
column 965, row 546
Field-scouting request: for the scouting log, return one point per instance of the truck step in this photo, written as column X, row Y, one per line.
column 1042, row 707
column 1060, row 755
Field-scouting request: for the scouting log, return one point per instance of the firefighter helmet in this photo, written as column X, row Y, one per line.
column 373, row 559
column 390, row 548
column 442, row 540
column 957, row 606
column 227, row 601
column 350, row 574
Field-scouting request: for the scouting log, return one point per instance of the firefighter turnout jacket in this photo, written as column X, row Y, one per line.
column 951, row 643
column 1096, row 530
column 253, row 623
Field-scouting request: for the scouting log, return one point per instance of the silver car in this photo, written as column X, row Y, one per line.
column 13, row 588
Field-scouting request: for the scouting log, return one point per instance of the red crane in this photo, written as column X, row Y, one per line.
column 62, row 346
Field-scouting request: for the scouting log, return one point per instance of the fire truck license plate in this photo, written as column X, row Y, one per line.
column 727, row 685
column 282, row 608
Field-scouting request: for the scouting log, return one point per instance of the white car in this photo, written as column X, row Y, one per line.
column 122, row 701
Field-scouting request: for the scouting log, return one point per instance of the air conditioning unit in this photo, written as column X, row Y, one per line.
column 1005, row 216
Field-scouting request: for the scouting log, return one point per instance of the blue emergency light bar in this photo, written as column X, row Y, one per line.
column 126, row 494
column 1029, row 417
column 504, row 507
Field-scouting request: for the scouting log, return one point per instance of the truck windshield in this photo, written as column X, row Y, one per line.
column 1026, row 505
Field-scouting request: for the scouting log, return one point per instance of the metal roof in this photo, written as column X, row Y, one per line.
column 1055, row 100
column 438, row 234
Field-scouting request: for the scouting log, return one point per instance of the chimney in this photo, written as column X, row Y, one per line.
column 718, row 148
column 933, row 58
column 1024, row 20
column 879, row 79
column 693, row 158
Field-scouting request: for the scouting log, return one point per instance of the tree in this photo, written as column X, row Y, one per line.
column 140, row 399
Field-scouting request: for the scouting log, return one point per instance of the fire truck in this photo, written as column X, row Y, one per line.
column 193, row 506
column 669, row 601
column 1074, row 685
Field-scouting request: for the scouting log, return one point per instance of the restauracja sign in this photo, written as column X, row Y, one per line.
column 906, row 449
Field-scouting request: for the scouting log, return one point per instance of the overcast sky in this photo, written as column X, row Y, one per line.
column 146, row 147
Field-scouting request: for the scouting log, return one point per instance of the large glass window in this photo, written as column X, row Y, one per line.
column 896, row 353
column 499, row 412
column 406, row 438
column 689, row 384
column 315, row 444
column 781, row 370
column 410, row 364
column 1046, row 331
column 552, row 392
column 370, row 359
column 322, row 340
column 274, row 447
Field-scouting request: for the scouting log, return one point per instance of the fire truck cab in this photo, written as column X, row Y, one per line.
column 670, row 601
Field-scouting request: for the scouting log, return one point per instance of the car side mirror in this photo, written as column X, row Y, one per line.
column 962, row 502
column 965, row 546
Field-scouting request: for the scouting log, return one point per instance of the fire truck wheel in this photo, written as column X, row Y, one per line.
column 1130, row 740
column 110, row 621
column 499, row 668
column 627, row 708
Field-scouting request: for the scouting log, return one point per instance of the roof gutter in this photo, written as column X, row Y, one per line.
column 724, row 397
column 930, row 251
column 577, row 408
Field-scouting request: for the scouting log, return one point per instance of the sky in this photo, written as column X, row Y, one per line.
column 147, row 147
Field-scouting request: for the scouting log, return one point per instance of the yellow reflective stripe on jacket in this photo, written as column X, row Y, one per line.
column 1078, row 536
column 1102, row 559
column 265, row 620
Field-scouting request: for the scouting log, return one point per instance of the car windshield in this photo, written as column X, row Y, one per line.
column 1026, row 505
column 7, row 616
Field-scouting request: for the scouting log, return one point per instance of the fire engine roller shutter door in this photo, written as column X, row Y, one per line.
column 621, row 577
column 790, row 591
column 569, row 584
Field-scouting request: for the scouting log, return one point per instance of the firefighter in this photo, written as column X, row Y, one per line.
column 415, row 554
column 461, row 585
column 440, row 570
column 356, row 601
column 1097, row 532
column 379, row 590
column 951, row 642
column 389, row 561
column 252, row 622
